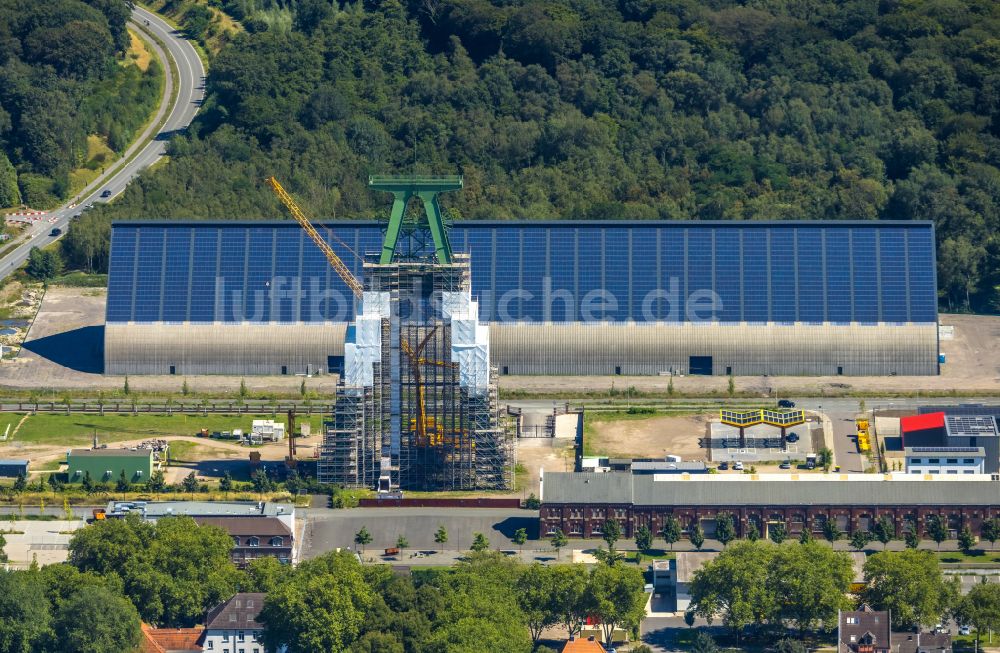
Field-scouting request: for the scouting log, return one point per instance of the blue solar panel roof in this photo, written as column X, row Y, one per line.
column 756, row 272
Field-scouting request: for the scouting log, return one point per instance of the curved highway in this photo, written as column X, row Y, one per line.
column 190, row 82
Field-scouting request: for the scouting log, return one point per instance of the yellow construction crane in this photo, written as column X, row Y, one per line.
column 331, row 256
column 416, row 360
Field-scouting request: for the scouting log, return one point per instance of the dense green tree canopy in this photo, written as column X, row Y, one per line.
column 910, row 584
column 758, row 582
column 173, row 570
column 60, row 81
column 95, row 620
column 590, row 109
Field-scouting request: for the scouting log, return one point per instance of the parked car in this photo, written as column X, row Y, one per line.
column 786, row 403
column 723, row 466
column 965, row 630
column 792, row 437
column 738, row 465
column 785, row 465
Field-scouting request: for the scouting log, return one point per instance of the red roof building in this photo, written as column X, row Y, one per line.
column 921, row 422
column 589, row 645
column 925, row 430
column 170, row 640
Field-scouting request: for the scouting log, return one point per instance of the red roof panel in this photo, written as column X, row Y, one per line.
column 921, row 422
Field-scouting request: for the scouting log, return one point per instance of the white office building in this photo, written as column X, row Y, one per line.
column 945, row 460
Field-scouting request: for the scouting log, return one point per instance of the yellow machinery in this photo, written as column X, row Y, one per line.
column 864, row 435
column 423, row 424
column 303, row 221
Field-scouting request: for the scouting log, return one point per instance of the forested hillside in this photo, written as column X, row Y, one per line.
column 62, row 79
column 673, row 109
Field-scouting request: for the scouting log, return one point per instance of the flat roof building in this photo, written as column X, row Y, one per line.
column 969, row 425
column 153, row 510
column 945, row 460
column 13, row 467
column 566, row 297
column 108, row 465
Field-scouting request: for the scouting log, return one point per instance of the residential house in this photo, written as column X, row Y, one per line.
column 863, row 631
column 921, row 642
column 232, row 627
column 588, row 645
column 255, row 537
column 170, row 640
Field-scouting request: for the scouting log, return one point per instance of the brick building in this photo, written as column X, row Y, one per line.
column 255, row 537
column 579, row 503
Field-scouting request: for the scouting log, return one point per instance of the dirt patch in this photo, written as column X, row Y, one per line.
column 549, row 454
column 138, row 52
column 653, row 437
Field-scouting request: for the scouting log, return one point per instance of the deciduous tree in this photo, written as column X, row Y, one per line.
column 733, row 586
column 95, row 620
column 671, row 532
column 616, row 597
column 558, row 541
column 725, row 530
column 908, row 583
column 322, row 607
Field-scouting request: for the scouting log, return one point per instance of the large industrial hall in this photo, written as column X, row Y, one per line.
column 558, row 297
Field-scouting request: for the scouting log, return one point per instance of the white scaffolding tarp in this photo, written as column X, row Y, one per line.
column 456, row 304
column 470, row 342
column 366, row 350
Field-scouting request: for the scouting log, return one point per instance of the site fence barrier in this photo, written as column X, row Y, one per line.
column 128, row 408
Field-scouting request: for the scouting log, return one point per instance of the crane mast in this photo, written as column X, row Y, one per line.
column 331, row 256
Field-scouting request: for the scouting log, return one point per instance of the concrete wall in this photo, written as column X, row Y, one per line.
column 572, row 349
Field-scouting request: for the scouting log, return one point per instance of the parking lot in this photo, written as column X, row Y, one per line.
column 327, row 530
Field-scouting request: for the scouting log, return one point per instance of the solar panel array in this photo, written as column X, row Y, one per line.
column 970, row 425
column 754, row 272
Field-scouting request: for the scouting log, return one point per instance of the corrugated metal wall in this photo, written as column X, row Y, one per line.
column 570, row 349
column 221, row 348
column 785, row 350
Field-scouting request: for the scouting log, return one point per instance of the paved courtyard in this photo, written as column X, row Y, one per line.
column 46, row 542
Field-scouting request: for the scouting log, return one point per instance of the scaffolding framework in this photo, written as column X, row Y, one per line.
column 417, row 427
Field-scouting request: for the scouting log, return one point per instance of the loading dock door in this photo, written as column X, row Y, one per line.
column 700, row 365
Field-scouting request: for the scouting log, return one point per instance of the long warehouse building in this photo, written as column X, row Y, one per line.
column 566, row 297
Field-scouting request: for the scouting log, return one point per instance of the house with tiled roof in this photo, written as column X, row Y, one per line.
column 588, row 645
column 232, row 627
column 171, row 640
column 255, row 537
column 864, row 631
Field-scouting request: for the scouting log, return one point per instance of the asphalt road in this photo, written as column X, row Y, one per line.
column 191, row 91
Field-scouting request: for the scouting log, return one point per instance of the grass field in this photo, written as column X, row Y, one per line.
column 977, row 556
column 80, row 279
column 78, row 430
column 99, row 156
